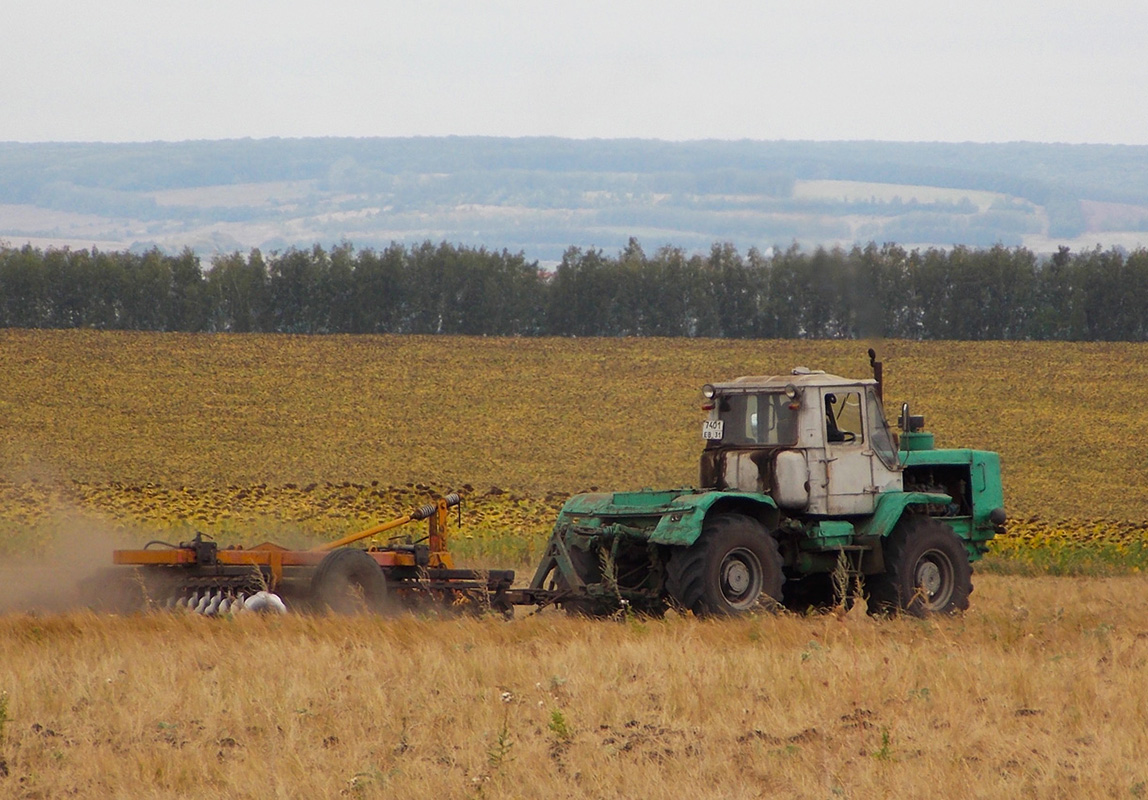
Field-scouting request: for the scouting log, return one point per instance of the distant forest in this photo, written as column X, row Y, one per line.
column 886, row 291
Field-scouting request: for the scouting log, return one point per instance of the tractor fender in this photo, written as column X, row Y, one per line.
column 681, row 525
column 891, row 507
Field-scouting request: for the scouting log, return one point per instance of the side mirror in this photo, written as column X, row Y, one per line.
column 910, row 423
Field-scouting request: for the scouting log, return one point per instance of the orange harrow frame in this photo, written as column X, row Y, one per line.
column 409, row 568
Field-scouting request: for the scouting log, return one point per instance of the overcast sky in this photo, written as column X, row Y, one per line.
column 912, row 70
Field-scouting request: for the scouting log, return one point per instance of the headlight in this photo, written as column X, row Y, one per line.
column 708, row 391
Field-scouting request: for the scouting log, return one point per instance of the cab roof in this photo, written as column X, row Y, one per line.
column 800, row 376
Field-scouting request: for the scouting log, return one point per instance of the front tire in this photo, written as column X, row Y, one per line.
column 733, row 568
column 927, row 570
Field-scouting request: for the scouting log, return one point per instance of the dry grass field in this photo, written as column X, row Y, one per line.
column 1036, row 692
column 115, row 438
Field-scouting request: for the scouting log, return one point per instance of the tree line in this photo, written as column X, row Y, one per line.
column 887, row 291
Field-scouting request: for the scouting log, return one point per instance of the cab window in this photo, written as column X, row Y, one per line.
column 761, row 419
column 882, row 437
column 843, row 418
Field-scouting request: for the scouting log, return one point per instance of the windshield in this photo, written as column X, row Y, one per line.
column 882, row 436
column 761, row 419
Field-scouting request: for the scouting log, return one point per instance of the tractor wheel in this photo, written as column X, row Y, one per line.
column 734, row 567
column 927, row 570
column 347, row 581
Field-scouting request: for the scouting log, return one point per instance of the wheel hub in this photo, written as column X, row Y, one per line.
column 934, row 579
column 737, row 577
column 929, row 578
column 741, row 578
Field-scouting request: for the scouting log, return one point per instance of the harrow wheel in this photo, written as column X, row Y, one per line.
column 348, row 581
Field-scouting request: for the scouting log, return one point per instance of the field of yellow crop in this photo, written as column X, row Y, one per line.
column 255, row 437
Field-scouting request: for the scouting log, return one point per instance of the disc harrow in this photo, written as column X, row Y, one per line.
column 200, row 577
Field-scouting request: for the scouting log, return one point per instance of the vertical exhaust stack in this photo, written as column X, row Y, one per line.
column 878, row 374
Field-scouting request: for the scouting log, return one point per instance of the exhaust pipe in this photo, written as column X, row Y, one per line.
column 878, row 374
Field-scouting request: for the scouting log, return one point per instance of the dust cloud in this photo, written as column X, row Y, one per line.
column 73, row 572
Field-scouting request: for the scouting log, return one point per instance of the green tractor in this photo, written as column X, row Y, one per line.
column 806, row 493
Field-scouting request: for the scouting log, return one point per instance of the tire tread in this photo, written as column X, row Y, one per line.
column 887, row 592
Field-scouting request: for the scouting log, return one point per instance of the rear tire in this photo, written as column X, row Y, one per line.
column 349, row 581
column 733, row 568
column 927, row 570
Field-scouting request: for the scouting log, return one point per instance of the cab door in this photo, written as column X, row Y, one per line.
column 848, row 454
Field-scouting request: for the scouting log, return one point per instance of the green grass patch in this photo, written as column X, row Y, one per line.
column 1074, row 558
column 498, row 549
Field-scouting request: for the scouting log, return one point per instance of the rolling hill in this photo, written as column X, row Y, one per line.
column 543, row 195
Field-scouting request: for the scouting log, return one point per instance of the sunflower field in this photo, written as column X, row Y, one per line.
column 138, row 436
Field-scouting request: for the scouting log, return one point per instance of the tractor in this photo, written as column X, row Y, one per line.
column 808, row 500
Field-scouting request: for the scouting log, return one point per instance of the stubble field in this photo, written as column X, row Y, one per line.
column 118, row 438
column 1037, row 691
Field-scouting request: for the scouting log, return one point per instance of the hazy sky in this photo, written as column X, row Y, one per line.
column 971, row 70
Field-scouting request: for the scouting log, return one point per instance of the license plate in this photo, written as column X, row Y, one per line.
column 713, row 428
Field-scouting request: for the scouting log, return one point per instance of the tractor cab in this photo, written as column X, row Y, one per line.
column 818, row 444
